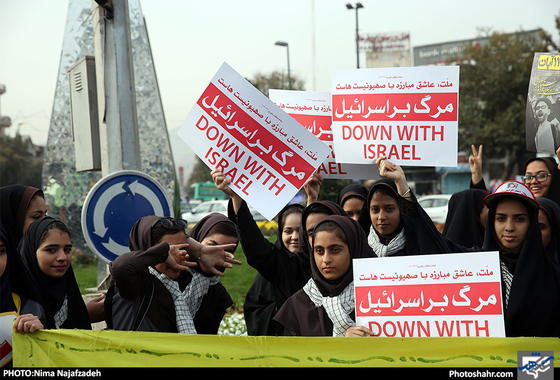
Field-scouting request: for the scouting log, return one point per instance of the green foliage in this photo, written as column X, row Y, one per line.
column 18, row 162
column 494, row 80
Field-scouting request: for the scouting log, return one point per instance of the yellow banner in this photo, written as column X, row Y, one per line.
column 549, row 62
column 96, row 349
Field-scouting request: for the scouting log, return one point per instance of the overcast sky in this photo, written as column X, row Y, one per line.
column 190, row 40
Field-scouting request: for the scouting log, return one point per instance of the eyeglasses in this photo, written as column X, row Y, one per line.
column 169, row 222
column 541, row 177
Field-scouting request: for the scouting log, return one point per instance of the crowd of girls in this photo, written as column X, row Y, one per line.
column 169, row 281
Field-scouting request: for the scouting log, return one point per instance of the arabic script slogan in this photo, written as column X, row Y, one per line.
column 233, row 127
column 409, row 115
column 430, row 296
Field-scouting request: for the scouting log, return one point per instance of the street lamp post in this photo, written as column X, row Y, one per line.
column 281, row 43
column 358, row 6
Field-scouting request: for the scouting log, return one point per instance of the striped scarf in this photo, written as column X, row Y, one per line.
column 338, row 308
column 186, row 302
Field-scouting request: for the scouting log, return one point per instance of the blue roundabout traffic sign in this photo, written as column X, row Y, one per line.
column 112, row 207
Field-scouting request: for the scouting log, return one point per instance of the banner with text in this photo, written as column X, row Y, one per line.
column 235, row 128
column 130, row 349
column 408, row 114
column 313, row 111
column 430, row 295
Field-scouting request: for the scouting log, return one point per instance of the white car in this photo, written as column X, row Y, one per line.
column 209, row 207
column 435, row 206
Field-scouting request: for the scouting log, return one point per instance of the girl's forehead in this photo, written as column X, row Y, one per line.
column 535, row 166
column 55, row 234
column 510, row 205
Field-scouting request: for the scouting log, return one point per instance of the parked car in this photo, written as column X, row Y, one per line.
column 435, row 206
column 210, row 207
column 205, row 208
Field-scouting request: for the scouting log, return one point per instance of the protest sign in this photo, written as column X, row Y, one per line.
column 408, row 114
column 542, row 117
column 264, row 152
column 313, row 111
column 430, row 295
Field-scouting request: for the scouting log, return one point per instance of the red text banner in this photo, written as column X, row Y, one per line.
column 431, row 107
column 456, row 294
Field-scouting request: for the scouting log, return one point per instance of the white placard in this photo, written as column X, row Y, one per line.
column 442, row 295
column 408, row 114
column 267, row 155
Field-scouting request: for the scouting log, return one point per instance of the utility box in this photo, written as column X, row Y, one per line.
column 85, row 117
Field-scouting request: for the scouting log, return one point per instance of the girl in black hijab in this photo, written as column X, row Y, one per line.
column 264, row 298
column 549, row 222
column 312, row 215
column 45, row 251
column 17, row 314
column 352, row 198
column 466, row 217
column 325, row 306
column 20, row 205
column 393, row 220
column 213, row 229
column 152, row 292
column 530, row 276
column 549, row 186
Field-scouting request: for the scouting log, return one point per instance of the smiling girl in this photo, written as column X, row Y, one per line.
column 530, row 276
column 46, row 252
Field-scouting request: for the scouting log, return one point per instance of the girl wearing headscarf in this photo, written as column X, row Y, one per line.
column 352, row 199
column 542, row 177
column 265, row 298
column 16, row 313
column 46, row 255
column 325, row 306
column 530, row 276
column 466, row 217
column 549, row 222
column 284, row 264
column 213, row 229
column 312, row 215
column 152, row 292
column 394, row 222
column 20, row 205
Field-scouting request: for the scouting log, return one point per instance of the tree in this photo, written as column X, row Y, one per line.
column 19, row 162
column 494, row 80
column 276, row 80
